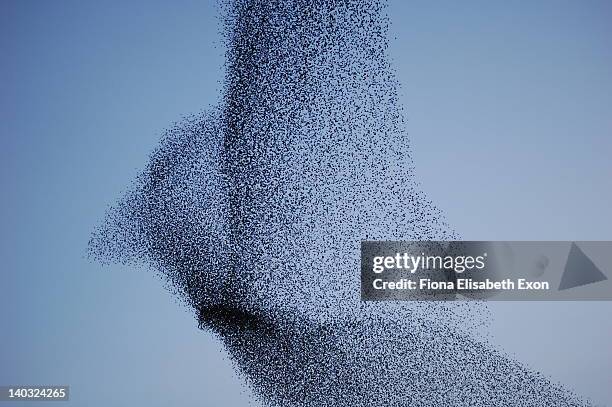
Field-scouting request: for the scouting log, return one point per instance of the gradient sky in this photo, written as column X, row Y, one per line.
column 509, row 111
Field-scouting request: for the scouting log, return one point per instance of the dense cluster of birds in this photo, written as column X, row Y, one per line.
column 254, row 212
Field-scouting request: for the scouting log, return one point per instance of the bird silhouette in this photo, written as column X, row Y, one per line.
column 254, row 212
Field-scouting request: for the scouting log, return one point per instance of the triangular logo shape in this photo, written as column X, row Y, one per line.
column 579, row 270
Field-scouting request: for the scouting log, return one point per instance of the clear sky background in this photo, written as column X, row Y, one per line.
column 509, row 111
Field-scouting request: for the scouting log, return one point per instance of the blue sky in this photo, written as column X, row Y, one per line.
column 508, row 107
